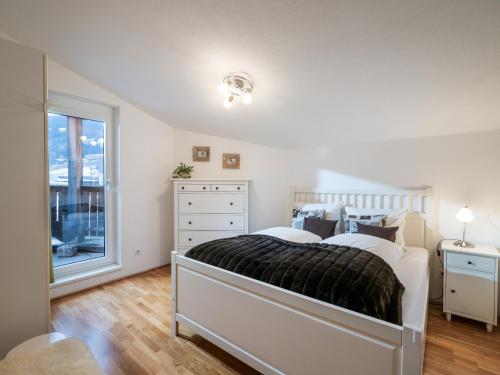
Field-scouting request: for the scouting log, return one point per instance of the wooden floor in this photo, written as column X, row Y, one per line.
column 127, row 326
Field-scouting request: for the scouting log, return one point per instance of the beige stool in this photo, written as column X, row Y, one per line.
column 37, row 342
column 50, row 354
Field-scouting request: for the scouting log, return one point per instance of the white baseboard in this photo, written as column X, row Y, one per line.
column 78, row 283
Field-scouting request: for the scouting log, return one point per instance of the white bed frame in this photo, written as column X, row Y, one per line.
column 281, row 332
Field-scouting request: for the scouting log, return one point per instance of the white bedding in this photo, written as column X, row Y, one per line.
column 411, row 268
column 389, row 251
column 413, row 272
column 290, row 234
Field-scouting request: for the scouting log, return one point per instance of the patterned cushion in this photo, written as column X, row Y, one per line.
column 298, row 222
column 395, row 217
column 351, row 221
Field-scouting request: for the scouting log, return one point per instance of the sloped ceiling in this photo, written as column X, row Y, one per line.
column 325, row 72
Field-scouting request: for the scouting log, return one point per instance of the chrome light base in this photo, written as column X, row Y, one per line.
column 238, row 83
column 462, row 243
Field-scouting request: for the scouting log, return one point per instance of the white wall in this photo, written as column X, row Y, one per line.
column 267, row 167
column 461, row 169
column 146, row 156
column 8, row 37
column 24, row 303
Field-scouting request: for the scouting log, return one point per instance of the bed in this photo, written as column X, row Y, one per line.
column 277, row 331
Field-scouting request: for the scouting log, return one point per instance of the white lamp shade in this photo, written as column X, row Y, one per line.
column 247, row 98
column 223, row 89
column 465, row 215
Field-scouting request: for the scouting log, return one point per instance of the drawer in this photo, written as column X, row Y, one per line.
column 211, row 203
column 192, row 238
column 470, row 293
column 227, row 187
column 470, row 262
column 193, row 187
column 211, row 222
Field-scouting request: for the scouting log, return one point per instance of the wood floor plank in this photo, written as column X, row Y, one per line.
column 109, row 366
column 127, row 326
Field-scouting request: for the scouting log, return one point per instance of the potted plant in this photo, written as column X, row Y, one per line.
column 183, row 171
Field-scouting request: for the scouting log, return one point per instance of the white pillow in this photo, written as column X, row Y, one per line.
column 395, row 218
column 332, row 210
column 290, row 234
column 389, row 251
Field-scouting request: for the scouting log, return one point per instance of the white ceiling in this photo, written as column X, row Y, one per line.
column 325, row 72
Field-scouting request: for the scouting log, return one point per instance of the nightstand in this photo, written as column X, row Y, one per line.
column 470, row 286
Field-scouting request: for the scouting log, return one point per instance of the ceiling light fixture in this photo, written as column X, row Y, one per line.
column 236, row 85
column 228, row 103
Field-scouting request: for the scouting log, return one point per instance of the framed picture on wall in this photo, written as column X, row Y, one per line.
column 231, row 161
column 201, row 153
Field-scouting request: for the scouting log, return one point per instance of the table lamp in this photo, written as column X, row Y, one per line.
column 465, row 216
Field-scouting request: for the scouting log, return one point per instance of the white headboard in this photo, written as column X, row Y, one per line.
column 418, row 201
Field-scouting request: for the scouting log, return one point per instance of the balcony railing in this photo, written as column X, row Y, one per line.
column 88, row 208
column 77, row 223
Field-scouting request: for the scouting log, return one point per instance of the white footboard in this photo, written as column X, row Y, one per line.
column 277, row 331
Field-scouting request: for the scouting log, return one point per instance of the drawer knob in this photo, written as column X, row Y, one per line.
column 182, row 188
column 231, row 223
column 239, row 188
column 471, row 263
column 204, row 187
column 216, row 188
column 190, row 223
column 189, row 203
column 452, row 290
column 189, row 239
column 231, row 203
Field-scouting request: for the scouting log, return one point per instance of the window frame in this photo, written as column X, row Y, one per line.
column 69, row 105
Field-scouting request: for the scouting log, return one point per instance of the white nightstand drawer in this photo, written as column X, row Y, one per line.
column 470, row 293
column 227, row 187
column 470, row 262
column 193, row 238
column 211, row 222
column 212, row 203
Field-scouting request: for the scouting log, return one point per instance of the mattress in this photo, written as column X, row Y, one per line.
column 412, row 271
column 347, row 277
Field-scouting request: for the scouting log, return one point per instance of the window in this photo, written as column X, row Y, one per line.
column 83, row 184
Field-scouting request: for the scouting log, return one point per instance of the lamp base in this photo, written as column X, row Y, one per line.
column 461, row 243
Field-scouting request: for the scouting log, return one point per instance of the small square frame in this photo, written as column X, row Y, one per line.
column 201, row 153
column 231, row 161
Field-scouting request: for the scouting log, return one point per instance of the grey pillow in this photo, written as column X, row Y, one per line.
column 298, row 222
column 387, row 233
column 321, row 227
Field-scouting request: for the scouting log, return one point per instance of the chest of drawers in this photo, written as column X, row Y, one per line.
column 206, row 210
